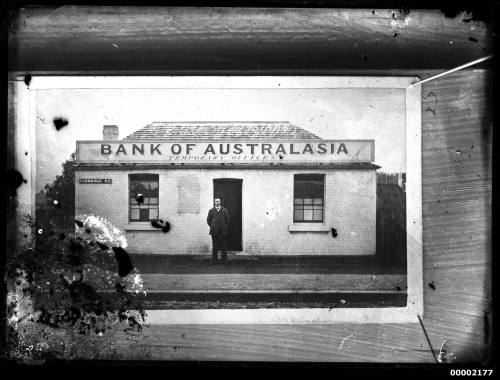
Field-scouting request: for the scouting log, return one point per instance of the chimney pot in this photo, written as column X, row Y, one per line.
column 110, row 132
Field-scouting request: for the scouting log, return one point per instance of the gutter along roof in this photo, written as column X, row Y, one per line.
column 231, row 165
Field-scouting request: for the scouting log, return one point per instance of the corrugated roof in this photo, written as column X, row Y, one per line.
column 221, row 130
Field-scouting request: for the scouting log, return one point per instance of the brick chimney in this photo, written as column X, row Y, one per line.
column 110, row 132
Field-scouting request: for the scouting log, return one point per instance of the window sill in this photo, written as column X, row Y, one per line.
column 145, row 226
column 308, row 227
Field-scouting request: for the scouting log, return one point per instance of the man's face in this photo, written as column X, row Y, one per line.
column 217, row 202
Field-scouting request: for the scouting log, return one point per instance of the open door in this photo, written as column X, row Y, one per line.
column 229, row 191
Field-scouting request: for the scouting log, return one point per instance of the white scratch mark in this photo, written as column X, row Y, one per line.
column 398, row 25
column 271, row 208
column 101, row 230
column 115, row 45
column 343, row 341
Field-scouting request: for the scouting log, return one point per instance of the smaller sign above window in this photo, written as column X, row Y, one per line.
column 96, row 181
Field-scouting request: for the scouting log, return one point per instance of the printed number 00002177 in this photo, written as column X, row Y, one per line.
column 471, row 372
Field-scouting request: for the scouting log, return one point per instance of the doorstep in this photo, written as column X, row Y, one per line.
column 272, row 283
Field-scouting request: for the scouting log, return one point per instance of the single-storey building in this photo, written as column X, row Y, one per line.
column 288, row 191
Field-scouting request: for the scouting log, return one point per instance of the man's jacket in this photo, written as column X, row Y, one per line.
column 218, row 221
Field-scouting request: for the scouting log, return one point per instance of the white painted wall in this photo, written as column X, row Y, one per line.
column 350, row 207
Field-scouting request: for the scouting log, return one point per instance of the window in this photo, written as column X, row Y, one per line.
column 143, row 197
column 308, row 198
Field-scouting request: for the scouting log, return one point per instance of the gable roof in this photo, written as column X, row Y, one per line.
column 221, row 130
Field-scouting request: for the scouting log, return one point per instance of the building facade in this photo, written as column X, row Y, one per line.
column 288, row 191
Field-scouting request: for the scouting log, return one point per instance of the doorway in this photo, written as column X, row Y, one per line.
column 229, row 191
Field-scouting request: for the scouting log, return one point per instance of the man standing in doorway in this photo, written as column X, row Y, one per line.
column 218, row 220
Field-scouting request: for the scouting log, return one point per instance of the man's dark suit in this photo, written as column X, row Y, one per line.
column 218, row 222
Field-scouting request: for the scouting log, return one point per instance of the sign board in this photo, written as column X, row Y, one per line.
column 96, row 181
column 116, row 151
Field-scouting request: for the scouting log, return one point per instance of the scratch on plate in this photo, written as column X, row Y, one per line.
column 343, row 340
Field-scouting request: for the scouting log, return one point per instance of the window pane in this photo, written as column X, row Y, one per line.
column 308, row 214
column 309, row 177
column 144, row 214
column 137, row 187
column 145, row 188
column 308, row 201
column 151, row 189
column 144, row 177
column 298, row 201
column 153, row 201
column 309, row 189
column 318, row 201
column 134, row 214
column 318, row 214
column 298, row 215
column 153, row 213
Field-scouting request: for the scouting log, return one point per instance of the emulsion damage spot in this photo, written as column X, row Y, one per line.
column 14, row 180
column 27, row 79
column 165, row 226
column 60, row 123
column 123, row 260
column 104, row 247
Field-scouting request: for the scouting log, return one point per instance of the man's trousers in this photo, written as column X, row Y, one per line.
column 219, row 243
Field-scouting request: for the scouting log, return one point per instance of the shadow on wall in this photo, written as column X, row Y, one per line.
column 391, row 218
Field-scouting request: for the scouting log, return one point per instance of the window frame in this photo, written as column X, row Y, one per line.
column 152, row 177
column 323, row 193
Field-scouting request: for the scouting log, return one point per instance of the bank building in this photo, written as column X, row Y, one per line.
column 288, row 191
